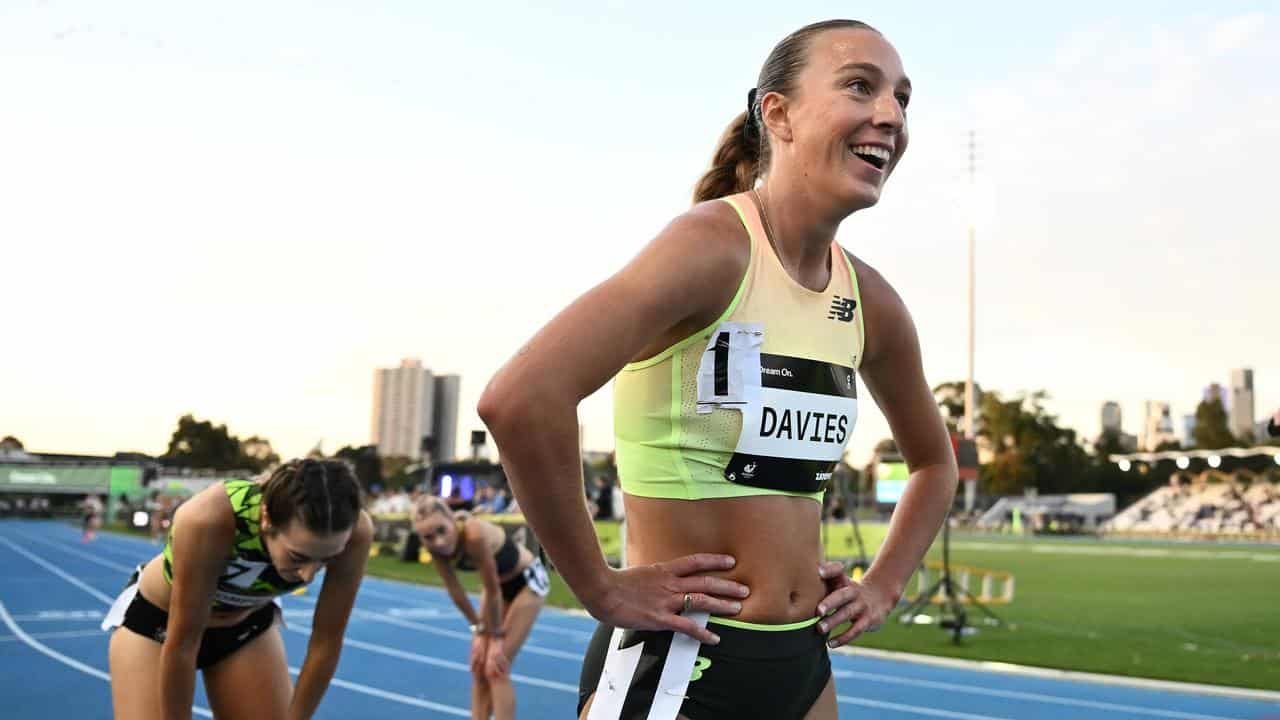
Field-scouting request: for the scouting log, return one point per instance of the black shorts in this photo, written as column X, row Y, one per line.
column 216, row 644
column 534, row 576
column 757, row 671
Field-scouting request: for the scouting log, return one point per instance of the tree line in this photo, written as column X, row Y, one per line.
column 1029, row 448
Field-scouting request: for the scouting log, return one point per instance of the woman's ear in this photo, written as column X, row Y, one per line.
column 774, row 113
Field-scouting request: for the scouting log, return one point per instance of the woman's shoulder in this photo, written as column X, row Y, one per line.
column 481, row 533
column 476, row 526
column 207, row 511
column 714, row 226
column 701, row 250
column 364, row 527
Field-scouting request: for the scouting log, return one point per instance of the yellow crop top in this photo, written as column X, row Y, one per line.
column 762, row 401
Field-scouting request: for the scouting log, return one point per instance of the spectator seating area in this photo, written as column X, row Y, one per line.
column 1211, row 503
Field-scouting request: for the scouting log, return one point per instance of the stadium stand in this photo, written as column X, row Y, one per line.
column 1212, row 503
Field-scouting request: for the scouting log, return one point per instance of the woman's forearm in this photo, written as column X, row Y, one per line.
column 914, row 525
column 538, row 442
column 177, row 680
column 459, row 596
column 313, row 679
column 491, row 611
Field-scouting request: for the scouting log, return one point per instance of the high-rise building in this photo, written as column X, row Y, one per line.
column 1112, row 425
column 415, row 411
column 1240, row 418
column 444, row 416
column 1111, row 416
column 1188, row 431
column 1157, row 428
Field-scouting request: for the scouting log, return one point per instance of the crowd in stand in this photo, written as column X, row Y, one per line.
column 488, row 500
column 1220, row 507
column 25, row 506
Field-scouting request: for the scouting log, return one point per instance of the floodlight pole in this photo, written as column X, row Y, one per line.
column 968, row 385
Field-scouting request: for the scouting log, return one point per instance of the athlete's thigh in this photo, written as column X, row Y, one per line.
column 134, row 662
column 825, row 708
column 252, row 682
column 521, row 614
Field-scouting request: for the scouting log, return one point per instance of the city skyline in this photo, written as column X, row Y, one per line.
column 240, row 230
column 415, row 411
column 1243, row 418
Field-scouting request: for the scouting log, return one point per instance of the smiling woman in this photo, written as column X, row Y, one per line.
column 207, row 602
column 733, row 340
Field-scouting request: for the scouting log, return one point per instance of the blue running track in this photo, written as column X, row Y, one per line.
column 406, row 648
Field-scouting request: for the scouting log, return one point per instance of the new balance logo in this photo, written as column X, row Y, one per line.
column 700, row 664
column 842, row 309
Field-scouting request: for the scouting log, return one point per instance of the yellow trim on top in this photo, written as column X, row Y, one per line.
column 766, row 628
column 857, row 298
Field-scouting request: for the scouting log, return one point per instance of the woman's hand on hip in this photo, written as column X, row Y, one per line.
column 865, row 604
column 652, row 597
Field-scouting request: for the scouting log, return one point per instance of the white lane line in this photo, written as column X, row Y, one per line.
column 455, row 634
column 393, row 696
column 53, row 635
column 62, row 616
column 577, row 634
column 87, row 556
column 439, row 662
column 1044, row 549
column 86, row 669
column 528, row 647
column 414, row 591
column 121, row 552
column 355, row 687
column 991, row 667
column 381, row 617
column 914, row 709
column 400, row 598
column 71, row 579
column 1019, row 695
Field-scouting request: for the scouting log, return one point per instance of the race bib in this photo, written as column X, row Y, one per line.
column 797, row 413
column 730, row 366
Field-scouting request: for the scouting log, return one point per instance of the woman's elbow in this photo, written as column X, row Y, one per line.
column 949, row 475
column 506, row 404
column 496, row 406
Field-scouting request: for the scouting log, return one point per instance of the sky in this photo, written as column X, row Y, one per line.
column 239, row 210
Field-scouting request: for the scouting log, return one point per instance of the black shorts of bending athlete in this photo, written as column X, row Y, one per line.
column 216, row 644
column 773, row 672
column 534, row 577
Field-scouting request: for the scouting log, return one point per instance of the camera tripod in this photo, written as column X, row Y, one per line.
column 949, row 594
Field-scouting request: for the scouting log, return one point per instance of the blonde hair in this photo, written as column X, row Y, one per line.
column 428, row 505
